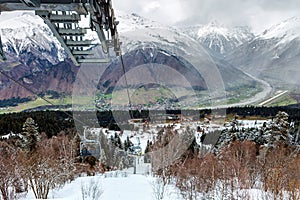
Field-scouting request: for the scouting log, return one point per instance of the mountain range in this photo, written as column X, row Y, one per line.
column 219, row 38
column 272, row 55
column 36, row 58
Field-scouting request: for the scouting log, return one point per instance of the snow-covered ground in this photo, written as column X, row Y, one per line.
column 139, row 136
column 9, row 135
column 126, row 188
column 123, row 185
column 127, row 185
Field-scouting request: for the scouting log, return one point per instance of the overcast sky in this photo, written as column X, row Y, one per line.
column 259, row 14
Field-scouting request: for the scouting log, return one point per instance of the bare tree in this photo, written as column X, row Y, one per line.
column 8, row 176
column 50, row 166
column 293, row 178
column 91, row 190
column 187, row 179
column 159, row 188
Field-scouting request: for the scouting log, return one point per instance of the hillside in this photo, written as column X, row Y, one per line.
column 273, row 55
column 36, row 59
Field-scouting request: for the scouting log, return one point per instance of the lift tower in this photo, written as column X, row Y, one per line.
column 63, row 17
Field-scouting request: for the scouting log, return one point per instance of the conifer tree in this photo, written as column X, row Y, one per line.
column 30, row 136
column 277, row 131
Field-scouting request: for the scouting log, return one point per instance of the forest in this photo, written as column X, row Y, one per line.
column 53, row 122
column 48, row 155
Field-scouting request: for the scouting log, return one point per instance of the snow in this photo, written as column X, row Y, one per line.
column 215, row 35
column 165, row 53
column 18, row 19
column 140, row 137
column 112, row 187
column 117, row 188
column 7, row 136
column 128, row 186
column 286, row 30
column 131, row 22
column 21, row 30
column 122, row 185
column 213, row 28
column 252, row 123
column 115, row 185
column 169, row 39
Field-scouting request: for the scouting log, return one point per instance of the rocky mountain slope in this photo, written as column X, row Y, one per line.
column 36, row 59
column 145, row 41
column 273, row 55
column 219, row 38
column 25, row 36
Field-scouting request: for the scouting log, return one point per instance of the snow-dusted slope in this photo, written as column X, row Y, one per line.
column 28, row 40
column 136, row 31
column 274, row 55
column 130, row 22
column 220, row 38
column 149, row 41
column 24, row 32
column 286, row 30
column 34, row 57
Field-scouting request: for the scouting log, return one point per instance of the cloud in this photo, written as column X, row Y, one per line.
column 259, row 14
column 164, row 11
column 151, row 6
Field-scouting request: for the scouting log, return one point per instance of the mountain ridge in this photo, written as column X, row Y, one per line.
column 219, row 38
column 135, row 32
column 274, row 52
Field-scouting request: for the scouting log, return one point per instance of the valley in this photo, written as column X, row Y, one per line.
column 61, row 74
column 242, row 85
column 158, row 100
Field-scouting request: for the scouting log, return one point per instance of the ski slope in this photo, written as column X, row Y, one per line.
column 121, row 186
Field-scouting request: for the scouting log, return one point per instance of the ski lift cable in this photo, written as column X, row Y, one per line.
column 126, row 82
column 35, row 94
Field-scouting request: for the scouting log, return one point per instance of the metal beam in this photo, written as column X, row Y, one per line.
column 98, row 28
column 78, row 31
column 65, row 18
column 82, row 53
column 32, row 3
column 81, row 43
column 13, row 6
column 45, row 17
column 94, row 60
column 47, row 1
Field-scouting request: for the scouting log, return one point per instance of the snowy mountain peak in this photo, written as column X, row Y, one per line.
column 287, row 30
column 219, row 38
column 24, row 32
column 212, row 29
column 16, row 20
column 133, row 21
